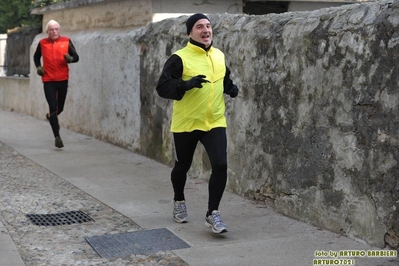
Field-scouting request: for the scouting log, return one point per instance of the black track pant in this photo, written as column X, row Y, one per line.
column 215, row 144
column 55, row 92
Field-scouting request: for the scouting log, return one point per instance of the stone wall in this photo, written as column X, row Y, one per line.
column 313, row 130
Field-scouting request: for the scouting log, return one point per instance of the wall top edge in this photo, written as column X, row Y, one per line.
column 14, row 77
column 70, row 4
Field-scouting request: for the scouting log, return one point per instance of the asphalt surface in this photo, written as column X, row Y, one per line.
column 124, row 192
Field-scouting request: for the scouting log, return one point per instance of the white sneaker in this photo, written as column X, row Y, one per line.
column 215, row 222
column 180, row 211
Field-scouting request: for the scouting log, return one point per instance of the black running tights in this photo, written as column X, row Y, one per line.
column 215, row 143
column 55, row 92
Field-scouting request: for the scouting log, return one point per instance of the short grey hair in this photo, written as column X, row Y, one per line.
column 52, row 22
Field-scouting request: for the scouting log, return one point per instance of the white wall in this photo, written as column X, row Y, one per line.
column 3, row 42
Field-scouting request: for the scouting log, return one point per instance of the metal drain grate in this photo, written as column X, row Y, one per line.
column 145, row 242
column 71, row 217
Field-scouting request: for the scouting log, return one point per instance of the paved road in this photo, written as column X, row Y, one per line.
column 125, row 192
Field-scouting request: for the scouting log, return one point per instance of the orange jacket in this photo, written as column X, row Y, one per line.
column 54, row 64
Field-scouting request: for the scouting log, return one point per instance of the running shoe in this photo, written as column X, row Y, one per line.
column 180, row 211
column 58, row 142
column 215, row 222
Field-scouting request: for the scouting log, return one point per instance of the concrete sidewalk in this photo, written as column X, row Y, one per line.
column 140, row 189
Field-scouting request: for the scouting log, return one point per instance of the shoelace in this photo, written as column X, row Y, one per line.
column 180, row 208
column 216, row 218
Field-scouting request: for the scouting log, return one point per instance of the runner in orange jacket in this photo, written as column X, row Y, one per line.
column 56, row 52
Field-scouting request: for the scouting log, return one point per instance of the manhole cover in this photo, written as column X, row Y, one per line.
column 71, row 217
column 144, row 242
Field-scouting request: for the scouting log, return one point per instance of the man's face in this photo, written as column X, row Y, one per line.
column 53, row 31
column 202, row 32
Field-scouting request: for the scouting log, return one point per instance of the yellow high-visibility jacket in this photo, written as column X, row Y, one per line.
column 201, row 108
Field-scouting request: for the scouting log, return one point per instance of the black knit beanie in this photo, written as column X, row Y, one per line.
column 192, row 20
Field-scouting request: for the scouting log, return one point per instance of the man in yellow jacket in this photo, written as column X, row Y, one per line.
column 196, row 77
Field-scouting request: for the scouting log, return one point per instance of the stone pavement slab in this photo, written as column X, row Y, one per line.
column 9, row 254
column 139, row 190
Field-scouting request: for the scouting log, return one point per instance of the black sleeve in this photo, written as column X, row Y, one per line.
column 170, row 84
column 37, row 55
column 229, row 87
column 72, row 52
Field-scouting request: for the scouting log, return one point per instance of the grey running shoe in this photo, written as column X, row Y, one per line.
column 215, row 222
column 58, row 142
column 180, row 211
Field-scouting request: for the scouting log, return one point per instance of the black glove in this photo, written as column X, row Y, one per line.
column 233, row 91
column 196, row 82
column 40, row 70
column 68, row 58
